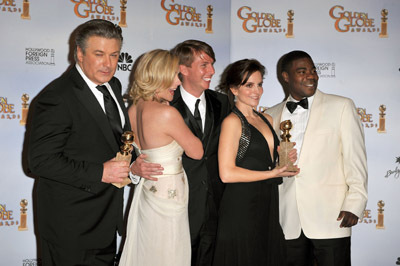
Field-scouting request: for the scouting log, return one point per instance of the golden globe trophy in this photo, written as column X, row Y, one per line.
column 125, row 154
column 22, row 225
column 24, row 111
column 380, row 224
column 285, row 147
column 382, row 120
column 383, row 33
column 25, row 10
column 289, row 33
column 122, row 22
column 209, row 19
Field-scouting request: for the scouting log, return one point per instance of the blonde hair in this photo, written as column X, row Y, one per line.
column 156, row 70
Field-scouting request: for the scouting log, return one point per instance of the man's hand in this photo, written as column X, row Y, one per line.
column 115, row 171
column 145, row 169
column 349, row 219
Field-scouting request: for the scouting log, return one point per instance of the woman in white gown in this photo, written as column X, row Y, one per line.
column 158, row 226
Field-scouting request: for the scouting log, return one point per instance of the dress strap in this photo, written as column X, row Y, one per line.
column 245, row 137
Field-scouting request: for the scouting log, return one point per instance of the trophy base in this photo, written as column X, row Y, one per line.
column 22, row 228
column 127, row 180
column 285, row 148
column 380, row 227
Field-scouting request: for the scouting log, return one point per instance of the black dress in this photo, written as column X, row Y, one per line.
column 249, row 233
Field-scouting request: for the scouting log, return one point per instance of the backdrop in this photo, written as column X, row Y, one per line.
column 354, row 44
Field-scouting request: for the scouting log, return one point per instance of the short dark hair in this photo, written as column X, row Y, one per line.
column 187, row 49
column 237, row 74
column 96, row 27
column 292, row 56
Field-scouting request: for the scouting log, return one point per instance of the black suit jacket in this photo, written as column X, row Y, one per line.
column 70, row 140
column 203, row 175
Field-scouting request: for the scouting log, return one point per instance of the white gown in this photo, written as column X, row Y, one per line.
column 158, row 225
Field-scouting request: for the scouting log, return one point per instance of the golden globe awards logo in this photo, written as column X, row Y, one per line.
column 183, row 15
column 352, row 21
column 7, row 110
column 263, row 22
column 6, row 216
column 9, row 6
column 94, row 9
column 368, row 122
column 366, row 118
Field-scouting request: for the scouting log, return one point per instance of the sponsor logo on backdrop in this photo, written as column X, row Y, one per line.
column 357, row 21
column 186, row 16
column 366, row 118
column 10, row 6
column 368, row 122
column 31, row 262
column 40, row 56
column 6, row 216
column 395, row 172
column 326, row 70
column 98, row 9
column 125, row 62
column 7, row 110
column 264, row 22
column 368, row 219
column 122, row 22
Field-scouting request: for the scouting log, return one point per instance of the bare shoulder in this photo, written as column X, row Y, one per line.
column 231, row 120
column 159, row 112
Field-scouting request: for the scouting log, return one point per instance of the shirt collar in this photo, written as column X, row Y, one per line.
column 90, row 83
column 190, row 100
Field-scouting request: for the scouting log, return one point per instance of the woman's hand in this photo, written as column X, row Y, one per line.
column 282, row 172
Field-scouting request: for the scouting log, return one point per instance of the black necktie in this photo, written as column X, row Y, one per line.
column 112, row 112
column 197, row 115
column 291, row 106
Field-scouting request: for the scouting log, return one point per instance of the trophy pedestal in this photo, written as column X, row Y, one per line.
column 23, row 226
column 127, row 180
column 285, row 148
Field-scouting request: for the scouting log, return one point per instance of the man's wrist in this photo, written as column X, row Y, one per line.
column 134, row 178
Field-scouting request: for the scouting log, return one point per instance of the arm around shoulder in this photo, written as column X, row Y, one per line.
column 179, row 131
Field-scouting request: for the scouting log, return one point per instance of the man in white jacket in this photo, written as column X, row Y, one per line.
column 319, row 206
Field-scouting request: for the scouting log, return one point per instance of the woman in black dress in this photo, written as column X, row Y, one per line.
column 249, row 233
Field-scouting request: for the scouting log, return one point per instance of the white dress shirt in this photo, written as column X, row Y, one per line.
column 299, row 119
column 99, row 96
column 190, row 102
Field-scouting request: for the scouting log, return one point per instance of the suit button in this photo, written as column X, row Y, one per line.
column 203, row 182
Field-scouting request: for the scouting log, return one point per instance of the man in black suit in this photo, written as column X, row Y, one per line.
column 203, row 111
column 76, row 127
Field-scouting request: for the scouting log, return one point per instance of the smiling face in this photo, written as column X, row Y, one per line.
column 100, row 58
column 302, row 78
column 249, row 94
column 197, row 77
column 167, row 94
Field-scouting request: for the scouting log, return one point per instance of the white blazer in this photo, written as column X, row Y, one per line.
column 333, row 170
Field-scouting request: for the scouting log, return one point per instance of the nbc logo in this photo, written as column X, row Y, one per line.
column 125, row 62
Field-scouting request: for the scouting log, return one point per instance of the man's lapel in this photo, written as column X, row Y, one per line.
column 87, row 99
column 213, row 114
column 116, row 87
column 312, row 125
column 180, row 105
